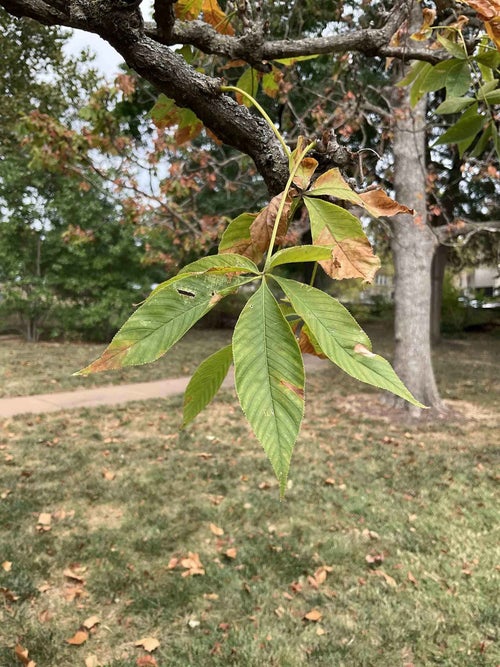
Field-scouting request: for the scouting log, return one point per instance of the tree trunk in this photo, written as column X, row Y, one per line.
column 413, row 247
column 438, row 269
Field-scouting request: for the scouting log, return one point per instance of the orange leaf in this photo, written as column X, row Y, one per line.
column 486, row 9
column 314, row 615
column 214, row 15
column 146, row 661
column 378, row 203
column 22, row 655
column 216, row 530
column 44, row 519
column 424, row 31
column 231, row 553
column 108, row 475
column 149, row 644
column 91, row 661
column 78, row 638
column 7, row 565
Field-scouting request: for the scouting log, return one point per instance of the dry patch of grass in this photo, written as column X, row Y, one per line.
column 384, row 551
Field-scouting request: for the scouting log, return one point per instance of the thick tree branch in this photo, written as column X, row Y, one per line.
column 165, row 17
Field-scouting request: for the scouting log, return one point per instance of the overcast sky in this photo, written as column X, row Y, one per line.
column 107, row 59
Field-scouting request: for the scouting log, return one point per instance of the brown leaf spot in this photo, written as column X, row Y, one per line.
column 261, row 228
column 351, row 258
column 304, row 172
column 364, row 351
column 298, row 391
column 111, row 359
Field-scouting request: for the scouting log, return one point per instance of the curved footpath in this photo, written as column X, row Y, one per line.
column 112, row 395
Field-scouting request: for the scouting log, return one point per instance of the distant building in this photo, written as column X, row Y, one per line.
column 484, row 278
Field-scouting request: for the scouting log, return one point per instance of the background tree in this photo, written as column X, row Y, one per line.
column 244, row 37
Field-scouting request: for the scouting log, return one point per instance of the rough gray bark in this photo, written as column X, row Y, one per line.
column 413, row 246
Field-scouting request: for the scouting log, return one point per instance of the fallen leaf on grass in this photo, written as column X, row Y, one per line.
column 329, row 481
column 108, row 475
column 320, row 631
column 412, row 579
column 44, row 522
column 146, row 661
column 92, row 661
column 149, row 644
column 210, row 596
column 7, row 565
column 90, row 622
column 22, row 655
column 192, row 565
column 79, row 638
column 314, row 616
column 374, row 559
column 388, row 579
column 71, row 574
column 231, row 553
column 216, row 530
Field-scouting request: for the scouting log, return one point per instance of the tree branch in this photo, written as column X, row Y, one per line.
column 164, row 17
column 466, row 228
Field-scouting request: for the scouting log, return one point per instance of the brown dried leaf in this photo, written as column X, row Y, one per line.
column 108, row 475
column 486, row 9
column 146, row 661
column 216, row 530
column 231, row 553
column 22, row 654
column 71, row 574
column 91, row 661
column 378, row 203
column 44, row 519
column 412, row 579
column 7, row 565
column 90, row 622
column 79, row 638
column 149, row 644
column 351, row 258
column 307, row 346
column 314, row 616
column 388, row 579
column 423, row 32
column 261, row 228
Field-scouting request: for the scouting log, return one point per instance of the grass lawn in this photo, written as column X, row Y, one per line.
column 383, row 554
column 42, row 368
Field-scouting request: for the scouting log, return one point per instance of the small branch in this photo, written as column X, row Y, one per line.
column 466, row 228
column 164, row 17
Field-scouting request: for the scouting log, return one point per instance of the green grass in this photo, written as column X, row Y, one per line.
column 417, row 499
column 39, row 368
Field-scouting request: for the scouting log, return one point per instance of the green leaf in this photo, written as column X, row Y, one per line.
column 226, row 263
column 237, row 238
column 493, row 97
column 456, row 50
column 206, row 382
column 451, row 74
column 249, row 82
column 415, row 91
column 303, row 253
column 269, row 376
column 341, row 223
column 163, row 319
column 490, row 59
column 467, row 126
column 332, row 183
column 288, row 62
column 487, row 87
column 454, row 105
column 482, row 142
column 416, row 69
column 341, row 339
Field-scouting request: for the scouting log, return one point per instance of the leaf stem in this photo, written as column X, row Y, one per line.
column 262, row 113
column 281, row 207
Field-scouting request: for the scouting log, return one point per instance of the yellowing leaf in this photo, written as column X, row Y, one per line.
column 314, row 615
column 78, row 638
column 305, row 172
column 424, row 31
column 378, row 203
column 213, row 14
column 149, row 644
column 333, row 184
column 216, row 530
column 7, row 565
column 187, row 10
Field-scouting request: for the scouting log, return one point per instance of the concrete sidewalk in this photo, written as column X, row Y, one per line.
column 113, row 395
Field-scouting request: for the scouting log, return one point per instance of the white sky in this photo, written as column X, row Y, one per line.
column 107, row 59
